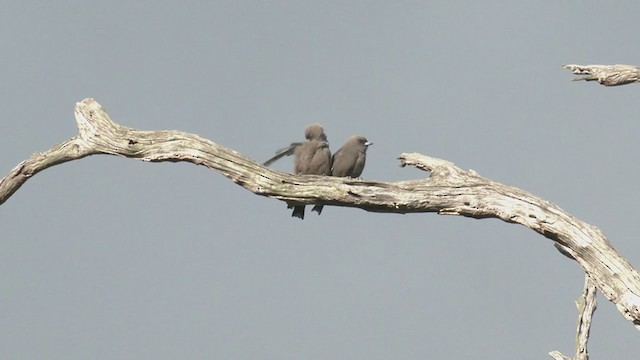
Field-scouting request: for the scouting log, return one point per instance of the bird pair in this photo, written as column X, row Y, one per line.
column 313, row 157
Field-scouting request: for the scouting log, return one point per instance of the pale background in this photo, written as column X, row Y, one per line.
column 111, row 258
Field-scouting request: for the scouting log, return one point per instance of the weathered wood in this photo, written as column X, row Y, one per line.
column 586, row 304
column 448, row 191
column 557, row 355
column 607, row 75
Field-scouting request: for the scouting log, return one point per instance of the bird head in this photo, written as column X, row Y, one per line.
column 361, row 140
column 315, row 132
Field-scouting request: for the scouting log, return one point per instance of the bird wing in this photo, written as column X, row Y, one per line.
column 359, row 165
column 320, row 162
column 343, row 162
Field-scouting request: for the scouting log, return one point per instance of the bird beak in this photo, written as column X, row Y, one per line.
column 368, row 143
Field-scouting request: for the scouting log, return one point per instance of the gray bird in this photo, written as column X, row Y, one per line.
column 312, row 157
column 349, row 160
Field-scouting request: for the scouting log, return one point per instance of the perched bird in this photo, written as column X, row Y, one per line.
column 349, row 160
column 312, row 157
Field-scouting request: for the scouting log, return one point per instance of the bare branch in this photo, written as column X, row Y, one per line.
column 449, row 190
column 558, row 356
column 586, row 304
column 607, row 75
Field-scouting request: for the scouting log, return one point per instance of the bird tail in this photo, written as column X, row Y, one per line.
column 298, row 211
column 285, row 151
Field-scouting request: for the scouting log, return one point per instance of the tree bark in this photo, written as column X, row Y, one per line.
column 607, row 75
column 586, row 305
column 448, row 191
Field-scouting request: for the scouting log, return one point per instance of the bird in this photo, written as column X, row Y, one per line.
column 311, row 157
column 349, row 160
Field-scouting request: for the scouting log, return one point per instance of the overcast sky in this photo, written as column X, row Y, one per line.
column 113, row 258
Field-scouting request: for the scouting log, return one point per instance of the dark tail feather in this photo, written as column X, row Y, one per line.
column 318, row 209
column 285, row 151
column 298, row 211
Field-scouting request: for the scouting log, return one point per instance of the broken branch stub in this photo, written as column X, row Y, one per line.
column 607, row 75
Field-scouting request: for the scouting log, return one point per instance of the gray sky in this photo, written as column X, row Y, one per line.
column 111, row 258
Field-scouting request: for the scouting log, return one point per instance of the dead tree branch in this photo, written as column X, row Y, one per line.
column 448, row 191
column 607, row 75
column 586, row 304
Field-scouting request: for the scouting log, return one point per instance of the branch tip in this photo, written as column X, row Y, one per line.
column 607, row 75
column 424, row 162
